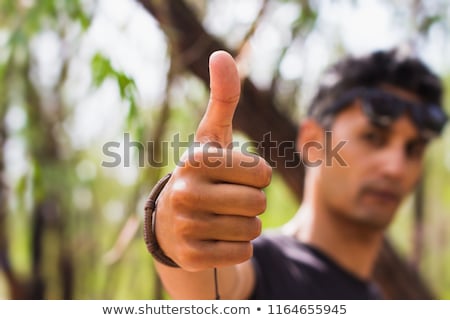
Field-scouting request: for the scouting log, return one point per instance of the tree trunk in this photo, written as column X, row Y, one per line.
column 49, row 217
column 193, row 45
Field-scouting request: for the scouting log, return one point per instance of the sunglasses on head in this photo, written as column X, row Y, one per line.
column 383, row 108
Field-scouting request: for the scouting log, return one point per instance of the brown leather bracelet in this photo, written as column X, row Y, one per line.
column 150, row 221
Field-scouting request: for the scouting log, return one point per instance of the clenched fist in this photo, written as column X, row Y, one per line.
column 208, row 212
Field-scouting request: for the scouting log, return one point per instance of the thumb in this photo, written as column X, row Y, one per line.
column 216, row 125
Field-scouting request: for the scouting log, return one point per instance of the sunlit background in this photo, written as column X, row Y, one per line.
column 76, row 75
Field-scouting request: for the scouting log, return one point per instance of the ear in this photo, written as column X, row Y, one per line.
column 310, row 141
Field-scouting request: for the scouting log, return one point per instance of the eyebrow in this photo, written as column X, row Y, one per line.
column 379, row 126
column 387, row 130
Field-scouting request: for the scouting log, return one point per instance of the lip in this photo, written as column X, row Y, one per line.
column 385, row 196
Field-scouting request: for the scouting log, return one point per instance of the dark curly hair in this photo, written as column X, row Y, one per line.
column 380, row 67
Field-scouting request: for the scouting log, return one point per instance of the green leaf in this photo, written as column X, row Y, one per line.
column 75, row 11
column 101, row 69
column 428, row 22
column 126, row 85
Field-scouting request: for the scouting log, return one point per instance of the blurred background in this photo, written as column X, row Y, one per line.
column 86, row 84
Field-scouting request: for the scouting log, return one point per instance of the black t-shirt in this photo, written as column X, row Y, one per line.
column 289, row 270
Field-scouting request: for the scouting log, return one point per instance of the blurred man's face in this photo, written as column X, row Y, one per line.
column 383, row 165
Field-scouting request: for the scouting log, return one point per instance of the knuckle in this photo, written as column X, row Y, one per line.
column 212, row 136
column 193, row 259
column 189, row 258
column 192, row 159
column 230, row 99
column 255, row 228
column 198, row 155
column 186, row 196
column 260, row 202
column 182, row 228
column 208, row 155
column 191, row 227
column 246, row 252
column 261, row 173
column 266, row 175
column 180, row 197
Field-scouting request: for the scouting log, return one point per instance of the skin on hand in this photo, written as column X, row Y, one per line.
column 208, row 212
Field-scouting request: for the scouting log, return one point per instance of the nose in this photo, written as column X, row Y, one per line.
column 394, row 166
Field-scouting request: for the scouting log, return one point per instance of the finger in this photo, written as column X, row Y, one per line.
column 216, row 125
column 227, row 228
column 231, row 199
column 210, row 254
column 224, row 165
column 239, row 168
column 256, row 174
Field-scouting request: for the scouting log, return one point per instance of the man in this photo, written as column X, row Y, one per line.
column 384, row 108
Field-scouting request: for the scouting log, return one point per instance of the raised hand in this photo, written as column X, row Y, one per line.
column 208, row 212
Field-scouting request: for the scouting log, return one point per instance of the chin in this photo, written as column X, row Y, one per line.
column 375, row 219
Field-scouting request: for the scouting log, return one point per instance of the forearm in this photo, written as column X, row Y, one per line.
column 234, row 282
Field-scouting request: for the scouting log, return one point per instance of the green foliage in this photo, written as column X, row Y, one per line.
column 306, row 20
column 94, row 204
column 103, row 69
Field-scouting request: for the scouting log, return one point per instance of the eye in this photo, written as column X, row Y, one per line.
column 375, row 138
column 415, row 149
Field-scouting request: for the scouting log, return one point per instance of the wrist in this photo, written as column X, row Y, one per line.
column 150, row 239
